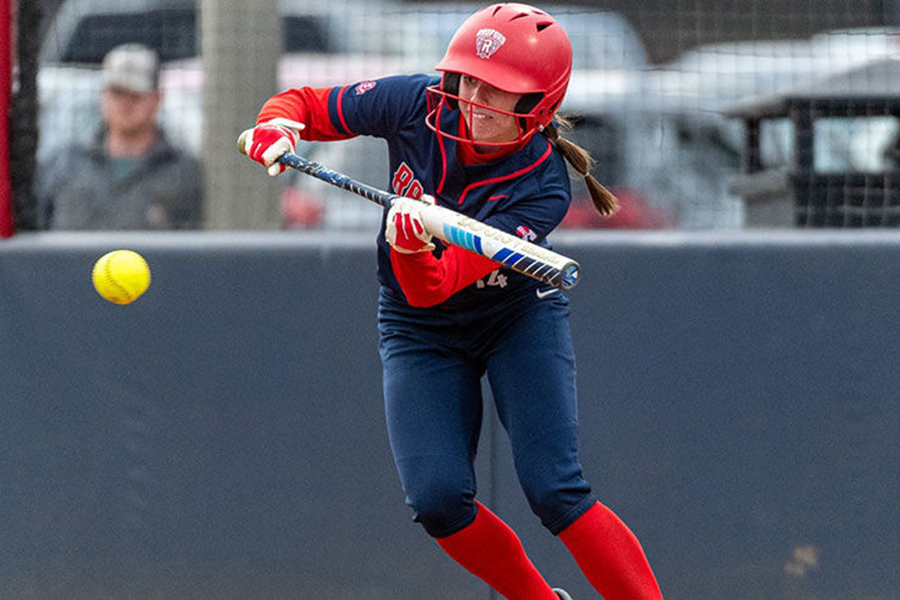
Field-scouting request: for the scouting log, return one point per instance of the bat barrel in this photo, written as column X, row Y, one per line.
column 509, row 250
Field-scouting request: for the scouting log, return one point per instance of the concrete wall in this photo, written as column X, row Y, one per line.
column 223, row 438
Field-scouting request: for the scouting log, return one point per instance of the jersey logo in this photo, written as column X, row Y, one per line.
column 488, row 41
column 364, row 87
column 405, row 183
column 525, row 233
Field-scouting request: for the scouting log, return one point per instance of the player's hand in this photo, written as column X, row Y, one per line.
column 405, row 230
column 266, row 142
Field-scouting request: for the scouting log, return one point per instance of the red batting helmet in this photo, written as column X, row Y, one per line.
column 516, row 48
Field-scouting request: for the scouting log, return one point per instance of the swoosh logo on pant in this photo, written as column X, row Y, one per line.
column 545, row 293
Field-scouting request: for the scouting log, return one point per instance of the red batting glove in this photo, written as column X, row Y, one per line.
column 266, row 142
column 405, row 231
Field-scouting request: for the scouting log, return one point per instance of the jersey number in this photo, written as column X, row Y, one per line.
column 494, row 279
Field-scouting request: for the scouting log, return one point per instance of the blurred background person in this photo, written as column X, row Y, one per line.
column 130, row 176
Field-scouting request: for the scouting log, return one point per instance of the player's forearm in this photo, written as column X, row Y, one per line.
column 428, row 281
column 305, row 105
column 289, row 104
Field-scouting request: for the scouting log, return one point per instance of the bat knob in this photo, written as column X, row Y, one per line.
column 242, row 140
column 570, row 275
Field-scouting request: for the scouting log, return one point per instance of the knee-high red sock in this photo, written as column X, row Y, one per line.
column 610, row 556
column 491, row 551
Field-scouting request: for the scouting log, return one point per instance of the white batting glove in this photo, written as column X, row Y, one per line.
column 405, row 231
column 266, row 142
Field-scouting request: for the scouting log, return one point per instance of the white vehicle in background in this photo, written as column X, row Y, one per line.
column 728, row 71
column 83, row 31
column 419, row 33
column 697, row 149
column 660, row 159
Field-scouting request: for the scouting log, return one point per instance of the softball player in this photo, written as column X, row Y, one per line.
column 480, row 139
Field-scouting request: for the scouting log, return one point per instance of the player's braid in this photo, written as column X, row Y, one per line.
column 604, row 201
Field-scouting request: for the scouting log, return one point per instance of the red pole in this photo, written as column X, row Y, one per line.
column 6, row 53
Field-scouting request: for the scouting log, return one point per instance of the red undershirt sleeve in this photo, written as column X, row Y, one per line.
column 427, row 280
column 308, row 106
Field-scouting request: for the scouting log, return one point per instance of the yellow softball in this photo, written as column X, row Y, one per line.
column 121, row 276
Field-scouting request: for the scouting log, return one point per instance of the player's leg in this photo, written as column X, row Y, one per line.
column 610, row 556
column 433, row 407
column 532, row 375
column 433, row 410
column 491, row 550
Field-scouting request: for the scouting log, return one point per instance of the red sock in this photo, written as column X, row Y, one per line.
column 610, row 556
column 491, row 551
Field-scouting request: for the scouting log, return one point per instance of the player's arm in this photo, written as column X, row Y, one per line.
column 425, row 279
column 375, row 107
column 428, row 281
column 286, row 118
column 309, row 106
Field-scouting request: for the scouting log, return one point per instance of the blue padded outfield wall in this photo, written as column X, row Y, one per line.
column 223, row 436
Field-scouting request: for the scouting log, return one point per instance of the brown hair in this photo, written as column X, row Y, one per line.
column 604, row 201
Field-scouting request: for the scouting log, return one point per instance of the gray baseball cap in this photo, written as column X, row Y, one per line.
column 132, row 67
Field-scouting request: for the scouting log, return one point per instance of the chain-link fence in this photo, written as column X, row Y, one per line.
column 651, row 96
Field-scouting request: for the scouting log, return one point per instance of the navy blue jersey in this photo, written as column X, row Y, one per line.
column 526, row 193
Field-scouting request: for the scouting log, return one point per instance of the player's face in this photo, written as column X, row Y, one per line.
column 487, row 125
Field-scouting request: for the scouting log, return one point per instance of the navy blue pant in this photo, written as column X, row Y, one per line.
column 433, row 365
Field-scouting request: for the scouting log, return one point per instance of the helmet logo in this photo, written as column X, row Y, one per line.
column 488, row 41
